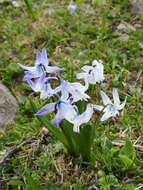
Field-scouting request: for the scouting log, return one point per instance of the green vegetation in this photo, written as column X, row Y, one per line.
column 72, row 41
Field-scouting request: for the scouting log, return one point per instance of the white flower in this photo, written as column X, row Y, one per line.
column 110, row 109
column 92, row 74
column 75, row 89
column 72, row 7
column 82, row 118
column 15, row 3
column 66, row 111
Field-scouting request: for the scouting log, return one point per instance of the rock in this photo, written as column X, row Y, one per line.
column 138, row 25
column 125, row 27
column 8, row 106
column 124, row 37
column 137, row 7
column 123, row 30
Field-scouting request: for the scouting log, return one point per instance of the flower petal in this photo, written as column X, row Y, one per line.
column 30, row 68
column 31, row 84
column 81, row 76
column 64, row 95
column 51, row 78
column 46, row 109
column 65, row 111
column 98, row 71
column 87, row 68
column 68, row 111
column 52, row 69
column 106, row 100
column 27, row 75
column 98, row 107
column 84, row 117
column 77, row 91
column 47, row 91
column 58, row 119
column 44, row 58
column 39, row 83
column 116, row 96
column 79, row 96
column 106, row 116
column 97, row 63
column 121, row 106
column 38, row 58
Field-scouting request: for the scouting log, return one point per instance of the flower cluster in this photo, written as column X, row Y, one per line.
column 40, row 78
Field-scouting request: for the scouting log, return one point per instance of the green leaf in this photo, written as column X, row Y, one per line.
column 31, row 184
column 56, row 131
column 128, row 150
column 100, row 2
column 72, row 138
column 107, row 181
column 85, row 141
column 127, row 154
column 127, row 161
column 50, row 186
column 30, row 8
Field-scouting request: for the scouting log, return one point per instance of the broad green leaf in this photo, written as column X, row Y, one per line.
column 127, row 154
column 108, row 181
column 126, row 160
column 72, row 138
column 85, row 141
column 128, row 150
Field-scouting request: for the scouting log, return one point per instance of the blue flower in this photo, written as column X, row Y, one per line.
column 43, row 85
column 65, row 110
column 41, row 66
column 36, row 85
column 72, row 7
